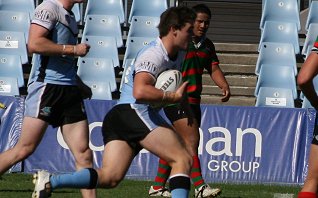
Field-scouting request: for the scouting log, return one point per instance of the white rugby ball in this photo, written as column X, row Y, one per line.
column 169, row 80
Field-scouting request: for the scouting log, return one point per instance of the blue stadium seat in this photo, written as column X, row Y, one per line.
column 105, row 7
column 276, row 77
column 311, row 36
column 152, row 8
column 102, row 47
column 144, row 26
column 11, row 66
column 103, row 25
column 126, row 71
column 312, row 14
column 282, row 10
column 280, row 32
column 15, row 21
column 77, row 12
column 100, row 91
column 97, row 69
column 18, row 5
column 14, row 43
column 9, row 86
column 276, row 54
column 133, row 45
column 275, row 97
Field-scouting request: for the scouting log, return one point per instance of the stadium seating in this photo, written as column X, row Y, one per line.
column 275, row 97
column 282, row 10
column 144, row 26
column 276, row 54
column 100, row 91
column 311, row 36
column 97, row 70
column 276, row 77
column 152, row 8
column 126, row 71
column 105, row 7
column 15, row 21
column 280, row 32
column 102, row 47
column 77, row 12
column 11, row 66
column 18, row 5
column 312, row 14
column 104, row 25
column 9, row 86
column 134, row 45
column 14, row 43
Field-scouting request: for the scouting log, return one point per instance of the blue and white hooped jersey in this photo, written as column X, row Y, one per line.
column 62, row 25
column 153, row 59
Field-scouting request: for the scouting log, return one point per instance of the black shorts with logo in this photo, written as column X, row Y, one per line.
column 55, row 104
column 177, row 112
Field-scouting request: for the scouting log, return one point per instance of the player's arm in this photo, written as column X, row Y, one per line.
column 145, row 91
column 305, row 78
column 39, row 43
column 218, row 77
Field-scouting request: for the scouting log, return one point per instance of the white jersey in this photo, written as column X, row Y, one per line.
column 153, row 59
column 62, row 28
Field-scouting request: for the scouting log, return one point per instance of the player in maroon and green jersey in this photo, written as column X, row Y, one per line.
column 305, row 78
column 200, row 56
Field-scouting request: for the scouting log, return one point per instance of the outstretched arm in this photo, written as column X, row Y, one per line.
column 305, row 78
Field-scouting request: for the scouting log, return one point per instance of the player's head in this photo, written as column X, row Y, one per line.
column 202, row 20
column 177, row 23
column 175, row 17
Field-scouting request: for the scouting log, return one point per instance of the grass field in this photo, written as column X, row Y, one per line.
column 20, row 186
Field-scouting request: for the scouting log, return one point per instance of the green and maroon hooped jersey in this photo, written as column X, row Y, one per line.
column 199, row 57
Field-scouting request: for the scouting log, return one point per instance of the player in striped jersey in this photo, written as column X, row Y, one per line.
column 307, row 73
column 200, row 55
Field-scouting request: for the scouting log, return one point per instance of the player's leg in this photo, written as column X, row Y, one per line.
column 309, row 189
column 158, row 188
column 164, row 143
column 76, row 136
column 117, row 157
column 31, row 135
column 186, row 124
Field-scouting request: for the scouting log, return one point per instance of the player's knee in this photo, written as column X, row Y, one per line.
column 84, row 159
column 109, row 182
column 182, row 161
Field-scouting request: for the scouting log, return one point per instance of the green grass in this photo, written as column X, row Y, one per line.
column 20, row 186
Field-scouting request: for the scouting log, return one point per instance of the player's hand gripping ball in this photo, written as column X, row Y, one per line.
column 169, row 80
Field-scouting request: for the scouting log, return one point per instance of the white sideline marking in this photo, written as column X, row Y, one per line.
column 279, row 195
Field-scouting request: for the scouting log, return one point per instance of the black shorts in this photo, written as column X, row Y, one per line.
column 129, row 124
column 176, row 112
column 55, row 104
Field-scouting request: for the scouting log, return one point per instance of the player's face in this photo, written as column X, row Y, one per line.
column 184, row 36
column 201, row 24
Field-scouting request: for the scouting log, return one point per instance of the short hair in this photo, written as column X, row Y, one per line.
column 202, row 8
column 176, row 17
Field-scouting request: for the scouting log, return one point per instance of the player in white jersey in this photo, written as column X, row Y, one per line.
column 132, row 124
column 53, row 95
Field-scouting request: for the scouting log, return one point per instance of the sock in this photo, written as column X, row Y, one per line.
column 179, row 186
column 196, row 175
column 307, row 195
column 162, row 174
column 85, row 178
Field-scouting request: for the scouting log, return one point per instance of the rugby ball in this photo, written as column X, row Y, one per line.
column 169, row 80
